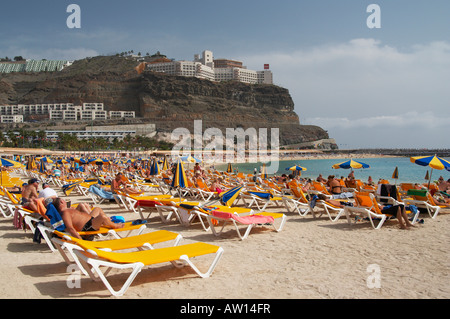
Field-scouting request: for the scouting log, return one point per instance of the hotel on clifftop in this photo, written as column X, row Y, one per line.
column 206, row 67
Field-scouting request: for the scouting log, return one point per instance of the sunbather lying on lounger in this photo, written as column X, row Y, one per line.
column 30, row 194
column 333, row 202
column 119, row 183
column 76, row 221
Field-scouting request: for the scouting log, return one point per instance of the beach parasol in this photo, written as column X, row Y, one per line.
column 42, row 166
column 296, row 168
column 434, row 162
column 229, row 168
column 154, row 168
column 31, row 164
column 427, row 177
column 45, row 159
column 68, row 188
column 4, row 162
column 227, row 198
column 165, row 165
column 395, row 174
column 350, row 164
column 62, row 161
column 179, row 179
column 80, row 160
column 189, row 158
column 264, row 172
column 99, row 161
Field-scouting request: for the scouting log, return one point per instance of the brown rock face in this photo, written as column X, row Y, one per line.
column 168, row 101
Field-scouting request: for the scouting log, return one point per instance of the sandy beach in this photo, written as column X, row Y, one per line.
column 310, row 258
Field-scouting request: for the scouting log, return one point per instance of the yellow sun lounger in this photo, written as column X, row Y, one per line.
column 103, row 232
column 93, row 260
column 143, row 241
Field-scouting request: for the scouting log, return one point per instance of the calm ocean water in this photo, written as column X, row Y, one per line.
column 379, row 168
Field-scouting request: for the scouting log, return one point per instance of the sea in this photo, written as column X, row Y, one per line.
column 380, row 168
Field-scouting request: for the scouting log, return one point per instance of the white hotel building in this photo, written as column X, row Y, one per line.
column 61, row 111
column 205, row 67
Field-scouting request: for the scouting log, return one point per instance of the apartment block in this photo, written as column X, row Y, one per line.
column 63, row 111
column 11, row 118
column 206, row 67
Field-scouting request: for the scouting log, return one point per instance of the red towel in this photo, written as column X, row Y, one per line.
column 17, row 221
column 146, row 203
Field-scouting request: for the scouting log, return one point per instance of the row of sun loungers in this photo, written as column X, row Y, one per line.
column 206, row 208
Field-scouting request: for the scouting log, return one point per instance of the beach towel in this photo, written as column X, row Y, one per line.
column 265, row 195
column 55, row 218
column 68, row 188
column 147, row 203
column 17, row 221
column 41, row 209
column 100, row 192
column 388, row 190
column 246, row 220
column 417, row 192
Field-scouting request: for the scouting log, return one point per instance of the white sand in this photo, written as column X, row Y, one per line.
column 309, row 258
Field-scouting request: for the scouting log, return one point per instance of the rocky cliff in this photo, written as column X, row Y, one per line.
column 167, row 101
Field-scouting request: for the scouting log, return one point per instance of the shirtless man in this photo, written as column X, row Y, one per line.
column 76, row 221
column 30, row 194
column 118, row 182
column 320, row 179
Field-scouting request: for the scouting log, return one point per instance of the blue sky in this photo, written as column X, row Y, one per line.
column 386, row 87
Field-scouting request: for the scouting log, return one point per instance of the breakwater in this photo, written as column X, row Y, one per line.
column 407, row 152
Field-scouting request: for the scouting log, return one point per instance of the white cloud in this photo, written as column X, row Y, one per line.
column 367, row 85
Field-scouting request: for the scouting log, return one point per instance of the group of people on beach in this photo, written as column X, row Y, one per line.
column 85, row 217
column 339, row 197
